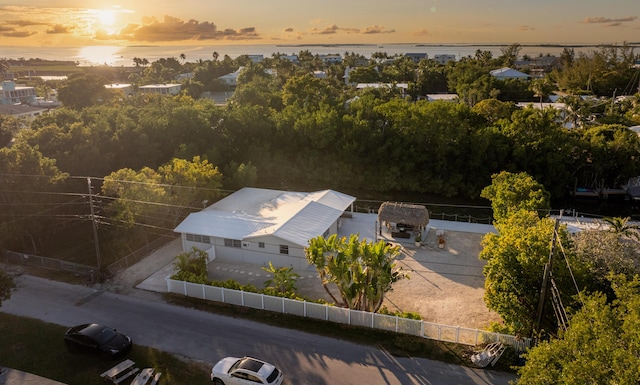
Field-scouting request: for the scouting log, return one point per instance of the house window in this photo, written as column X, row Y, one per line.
column 198, row 238
column 261, row 245
column 284, row 249
column 232, row 243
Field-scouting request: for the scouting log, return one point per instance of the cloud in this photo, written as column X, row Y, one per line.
column 15, row 33
column 376, row 29
column 606, row 20
column 24, row 23
column 422, row 32
column 288, row 29
column 57, row 29
column 526, row 28
column 334, row 29
column 174, row 29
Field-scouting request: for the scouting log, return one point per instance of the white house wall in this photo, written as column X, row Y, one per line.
column 251, row 253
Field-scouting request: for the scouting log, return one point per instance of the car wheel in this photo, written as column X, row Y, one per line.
column 218, row 381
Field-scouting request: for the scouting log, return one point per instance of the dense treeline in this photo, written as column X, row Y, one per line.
column 289, row 129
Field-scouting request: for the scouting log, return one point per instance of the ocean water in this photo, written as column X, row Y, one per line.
column 123, row 56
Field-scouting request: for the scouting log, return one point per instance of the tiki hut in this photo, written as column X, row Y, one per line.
column 416, row 216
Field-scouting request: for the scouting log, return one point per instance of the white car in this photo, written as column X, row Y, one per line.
column 245, row 371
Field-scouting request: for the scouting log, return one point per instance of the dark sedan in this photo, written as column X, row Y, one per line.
column 95, row 338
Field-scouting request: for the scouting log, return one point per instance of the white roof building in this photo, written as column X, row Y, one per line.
column 508, row 73
column 331, row 59
column 444, row 58
column 231, row 79
column 125, row 88
column 21, row 110
column 163, row 89
column 10, row 93
column 403, row 86
column 256, row 225
column 445, row 97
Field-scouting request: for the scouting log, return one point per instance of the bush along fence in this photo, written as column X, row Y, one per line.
column 455, row 334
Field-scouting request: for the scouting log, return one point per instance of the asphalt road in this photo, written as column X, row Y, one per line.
column 304, row 358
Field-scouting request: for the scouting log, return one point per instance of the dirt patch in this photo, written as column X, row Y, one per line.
column 445, row 285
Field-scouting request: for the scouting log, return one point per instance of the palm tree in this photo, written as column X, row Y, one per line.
column 362, row 272
column 283, row 280
column 4, row 67
column 541, row 88
column 621, row 227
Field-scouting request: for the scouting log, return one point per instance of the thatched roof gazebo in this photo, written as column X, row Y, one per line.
column 414, row 215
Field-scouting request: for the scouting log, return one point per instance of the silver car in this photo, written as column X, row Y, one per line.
column 245, row 371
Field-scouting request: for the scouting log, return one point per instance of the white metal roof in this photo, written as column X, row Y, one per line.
column 506, row 72
column 252, row 212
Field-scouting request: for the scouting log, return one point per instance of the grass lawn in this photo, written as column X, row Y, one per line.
column 37, row 347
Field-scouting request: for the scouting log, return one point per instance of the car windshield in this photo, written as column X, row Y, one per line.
column 105, row 336
column 272, row 377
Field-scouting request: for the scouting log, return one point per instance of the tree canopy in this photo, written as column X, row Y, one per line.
column 510, row 193
column 600, row 346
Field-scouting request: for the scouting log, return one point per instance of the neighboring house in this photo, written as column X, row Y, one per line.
column 231, row 79
column 21, row 110
column 291, row 58
column 320, row 74
column 126, row 89
column 416, row 57
column 163, row 89
column 508, row 73
column 560, row 107
column 444, row 97
column 259, row 226
column 256, row 58
column 538, row 66
column 403, row 86
column 444, row 58
column 183, row 77
column 331, row 59
column 347, row 74
column 10, row 93
column 635, row 129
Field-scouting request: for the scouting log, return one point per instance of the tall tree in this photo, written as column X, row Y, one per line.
column 161, row 198
column 510, row 193
column 541, row 88
column 600, row 346
column 29, row 190
column 84, row 90
column 510, row 54
column 516, row 256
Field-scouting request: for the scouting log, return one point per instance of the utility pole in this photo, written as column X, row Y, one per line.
column 545, row 279
column 95, row 225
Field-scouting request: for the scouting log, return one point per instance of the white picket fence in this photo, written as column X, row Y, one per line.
column 323, row 312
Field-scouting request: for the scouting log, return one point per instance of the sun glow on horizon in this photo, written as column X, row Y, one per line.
column 98, row 55
column 107, row 20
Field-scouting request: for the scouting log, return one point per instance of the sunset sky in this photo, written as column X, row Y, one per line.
column 183, row 22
